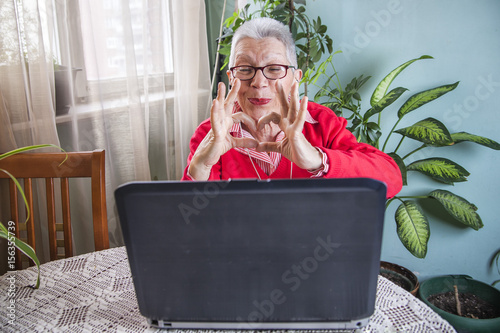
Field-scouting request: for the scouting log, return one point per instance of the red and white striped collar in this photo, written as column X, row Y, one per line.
column 272, row 158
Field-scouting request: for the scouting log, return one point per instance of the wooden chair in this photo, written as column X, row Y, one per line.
column 50, row 166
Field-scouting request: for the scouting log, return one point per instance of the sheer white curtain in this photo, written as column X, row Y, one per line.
column 26, row 86
column 139, row 85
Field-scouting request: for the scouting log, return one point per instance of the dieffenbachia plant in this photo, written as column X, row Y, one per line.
column 411, row 220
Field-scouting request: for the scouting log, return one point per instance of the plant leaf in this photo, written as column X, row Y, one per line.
column 401, row 165
column 387, row 100
column 23, row 247
column 424, row 97
column 23, row 149
column 21, row 191
column 459, row 208
column 413, row 228
column 383, row 85
column 429, row 131
column 441, row 169
column 464, row 136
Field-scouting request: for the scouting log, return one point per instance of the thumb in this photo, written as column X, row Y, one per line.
column 245, row 143
column 269, row 147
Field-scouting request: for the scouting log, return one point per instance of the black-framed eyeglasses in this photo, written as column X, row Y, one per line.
column 271, row 72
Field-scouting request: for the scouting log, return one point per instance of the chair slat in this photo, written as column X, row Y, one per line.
column 30, row 222
column 99, row 213
column 66, row 213
column 51, row 217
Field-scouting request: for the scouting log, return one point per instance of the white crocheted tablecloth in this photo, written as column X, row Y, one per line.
column 94, row 293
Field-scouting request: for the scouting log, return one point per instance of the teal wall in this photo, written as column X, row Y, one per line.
column 463, row 36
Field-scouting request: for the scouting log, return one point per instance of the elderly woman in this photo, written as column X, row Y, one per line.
column 261, row 129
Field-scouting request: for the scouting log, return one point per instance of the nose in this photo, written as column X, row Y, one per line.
column 259, row 80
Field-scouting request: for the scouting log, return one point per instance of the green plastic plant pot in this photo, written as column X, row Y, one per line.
column 465, row 284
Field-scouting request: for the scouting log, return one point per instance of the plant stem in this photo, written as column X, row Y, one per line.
column 390, row 133
column 459, row 308
column 414, row 151
column 400, row 198
column 399, row 144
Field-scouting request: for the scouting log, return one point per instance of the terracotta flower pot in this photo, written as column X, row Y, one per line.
column 401, row 276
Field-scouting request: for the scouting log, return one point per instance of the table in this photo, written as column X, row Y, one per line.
column 94, row 292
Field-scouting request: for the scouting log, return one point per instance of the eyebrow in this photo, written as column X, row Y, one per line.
column 272, row 56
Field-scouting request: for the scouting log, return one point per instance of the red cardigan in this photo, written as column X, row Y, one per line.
column 347, row 158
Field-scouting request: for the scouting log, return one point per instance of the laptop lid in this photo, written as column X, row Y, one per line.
column 249, row 254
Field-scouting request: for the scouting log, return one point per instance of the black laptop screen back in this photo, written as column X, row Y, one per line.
column 250, row 251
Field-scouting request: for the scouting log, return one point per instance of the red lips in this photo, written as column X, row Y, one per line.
column 259, row 101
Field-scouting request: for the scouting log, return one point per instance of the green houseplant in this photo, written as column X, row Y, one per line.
column 7, row 232
column 312, row 40
column 313, row 43
column 411, row 219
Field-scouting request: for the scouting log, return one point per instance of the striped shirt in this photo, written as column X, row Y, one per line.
column 268, row 162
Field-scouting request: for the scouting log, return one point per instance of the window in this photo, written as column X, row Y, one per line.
column 111, row 42
column 109, row 29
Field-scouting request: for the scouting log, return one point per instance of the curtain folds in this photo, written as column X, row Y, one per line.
column 138, row 83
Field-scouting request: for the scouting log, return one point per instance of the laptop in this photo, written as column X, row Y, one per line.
column 251, row 254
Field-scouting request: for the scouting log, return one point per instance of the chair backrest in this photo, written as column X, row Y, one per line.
column 50, row 166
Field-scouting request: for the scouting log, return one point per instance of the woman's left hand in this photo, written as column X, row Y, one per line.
column 294, row 146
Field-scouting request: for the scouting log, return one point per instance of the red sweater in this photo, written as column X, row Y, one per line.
column 347, row 158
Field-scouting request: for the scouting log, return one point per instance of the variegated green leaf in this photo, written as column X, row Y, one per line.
column 413, row 228
column 459, row 208
column 387, row 100
column 441, row 169
column 429, row 131
column 424, row 97
column 464, row 136
column 383, row 86
column 401, row 165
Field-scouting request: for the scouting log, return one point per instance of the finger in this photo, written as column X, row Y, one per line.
column 231, row 97
column 216, row 118
column 213, row 111
column 301, row 116
column 271, row 117
column 221, row 92
column 283, row 98
column 241, row 117
column 294, row 103
column 245, row 143
column 269, row 147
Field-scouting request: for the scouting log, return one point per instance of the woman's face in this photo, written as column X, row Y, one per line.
column 258, row 96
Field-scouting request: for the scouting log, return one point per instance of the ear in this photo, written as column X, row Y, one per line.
column 230, row 77
column 297, row 75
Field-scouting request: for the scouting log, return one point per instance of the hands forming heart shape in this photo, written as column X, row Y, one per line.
column 290, row 120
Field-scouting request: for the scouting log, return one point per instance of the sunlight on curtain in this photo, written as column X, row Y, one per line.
column 137, row 85
column 26, row 93
column 135, row 97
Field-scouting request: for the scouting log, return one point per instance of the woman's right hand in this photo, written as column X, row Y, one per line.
column 218, row 140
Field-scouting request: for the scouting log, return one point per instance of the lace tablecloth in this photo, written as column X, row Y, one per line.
column 94, row 293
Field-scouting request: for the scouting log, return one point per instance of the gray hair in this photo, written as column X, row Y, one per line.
column 264, row 27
